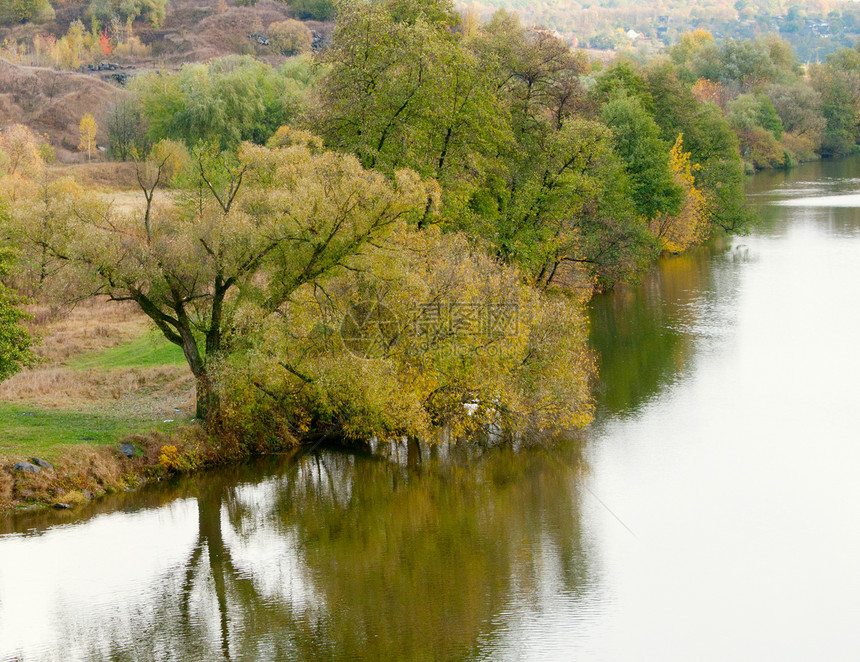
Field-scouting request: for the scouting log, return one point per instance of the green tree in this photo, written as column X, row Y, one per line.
column 316, row 10
column 711, row 141
column 15, row 342
column 105, row 11
column 838, row 83
column 409, row 93
column 720, row 175
column 126, row 130
column 226, row 100
column 798, row 107
column 636, row 139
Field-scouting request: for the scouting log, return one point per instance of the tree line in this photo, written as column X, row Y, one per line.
column 398, row 236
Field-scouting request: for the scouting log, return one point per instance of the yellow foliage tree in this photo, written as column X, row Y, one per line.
column 20, row 162
column 689, row 227
column 422, row 335
column 88, row 128
column 709, row 91
column 282, row 218
column 21, row 149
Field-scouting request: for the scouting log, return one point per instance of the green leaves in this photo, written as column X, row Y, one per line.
column 226, row 101
column 15, row 342
column 636, row 139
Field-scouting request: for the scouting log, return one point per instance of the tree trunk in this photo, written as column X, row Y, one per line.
column 209, row 504
column 207, row 399
column 205, row 392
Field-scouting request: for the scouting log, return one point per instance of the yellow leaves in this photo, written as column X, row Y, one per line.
column 169, row 457
column 172, row 459
column 164, row 161
column 287, row 136
column 690, row 226
column 20, row 147
column 312, row 193
column 87, row 129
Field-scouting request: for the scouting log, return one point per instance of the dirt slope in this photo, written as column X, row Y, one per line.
column 52, row 102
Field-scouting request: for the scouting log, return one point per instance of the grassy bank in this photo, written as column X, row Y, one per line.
column 103, row 377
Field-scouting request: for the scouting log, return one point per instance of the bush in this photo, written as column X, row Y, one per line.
column 105, row 11
column 434, row 366
column 290, row 37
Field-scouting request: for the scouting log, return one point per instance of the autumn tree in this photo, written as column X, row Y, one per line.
column 467, row 344
column 689, row 225
column 19, row 146
column 286, row 217
column 87, row 129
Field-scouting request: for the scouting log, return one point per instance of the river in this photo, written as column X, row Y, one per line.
column 710, row 513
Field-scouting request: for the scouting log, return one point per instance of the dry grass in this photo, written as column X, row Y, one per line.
column 86, row 327
column 6, row 487
column 53, row 102
column 150, row 392
column 82, row 473
column 128, row 202
column 113, row 176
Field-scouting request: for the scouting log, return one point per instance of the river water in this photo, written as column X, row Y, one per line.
column 710, row 513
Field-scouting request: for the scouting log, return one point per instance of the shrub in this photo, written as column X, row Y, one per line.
column 290, row 37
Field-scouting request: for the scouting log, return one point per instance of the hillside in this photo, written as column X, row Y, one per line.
column 814, row 29
column 52, row 102
column 52, row 99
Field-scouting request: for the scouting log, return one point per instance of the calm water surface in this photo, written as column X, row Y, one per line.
column 711, row 513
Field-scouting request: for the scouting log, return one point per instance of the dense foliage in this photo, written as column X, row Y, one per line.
column 226, row 101
column 396, row 236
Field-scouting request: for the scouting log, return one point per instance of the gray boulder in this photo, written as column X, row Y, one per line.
column 41, row 463
column 26, row 466
column 128, row 450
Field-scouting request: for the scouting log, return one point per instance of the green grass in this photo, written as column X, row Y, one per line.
column 149, row 351
column 28, row 431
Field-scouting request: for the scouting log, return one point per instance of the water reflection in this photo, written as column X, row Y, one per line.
column 334, row 555
column 645, row 335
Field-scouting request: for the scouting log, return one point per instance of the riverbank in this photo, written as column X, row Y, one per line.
column 102, row 378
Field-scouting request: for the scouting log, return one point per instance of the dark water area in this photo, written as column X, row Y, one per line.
column 708, row 514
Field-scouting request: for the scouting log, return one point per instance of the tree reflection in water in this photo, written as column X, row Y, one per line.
column 411, row 553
